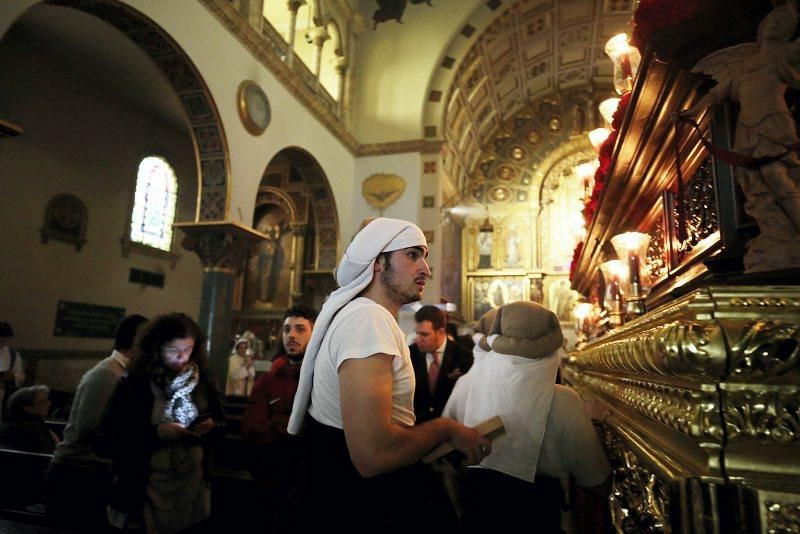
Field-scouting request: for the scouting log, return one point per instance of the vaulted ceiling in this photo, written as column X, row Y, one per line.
column 537, row 65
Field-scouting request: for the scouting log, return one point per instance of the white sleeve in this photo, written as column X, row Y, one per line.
column 583, row 453
column 364, row 333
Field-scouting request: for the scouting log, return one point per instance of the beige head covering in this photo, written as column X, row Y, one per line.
column 353, row 274
column 526, row 329
column 482, row 327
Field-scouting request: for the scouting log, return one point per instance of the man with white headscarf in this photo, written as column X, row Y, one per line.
column 354, row 404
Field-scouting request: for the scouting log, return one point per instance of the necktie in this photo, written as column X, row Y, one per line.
column 433, row 373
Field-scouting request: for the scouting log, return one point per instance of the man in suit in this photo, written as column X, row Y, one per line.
column 438, row 362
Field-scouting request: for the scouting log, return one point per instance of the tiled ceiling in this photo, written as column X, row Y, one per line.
column 534, row 54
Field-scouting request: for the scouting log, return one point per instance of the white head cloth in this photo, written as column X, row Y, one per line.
column 353, row 275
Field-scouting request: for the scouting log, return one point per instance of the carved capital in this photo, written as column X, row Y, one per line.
column 220, row 245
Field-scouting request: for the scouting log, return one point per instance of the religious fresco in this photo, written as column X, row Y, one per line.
column 451, row 264
column 268, row 270
column 488, row 292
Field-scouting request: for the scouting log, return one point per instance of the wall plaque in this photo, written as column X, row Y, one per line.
column 77, row 319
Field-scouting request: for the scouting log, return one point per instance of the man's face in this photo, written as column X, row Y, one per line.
column 296, row 333
column 404, row 274
column 428, row 339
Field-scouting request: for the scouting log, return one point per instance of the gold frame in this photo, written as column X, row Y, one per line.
column 245, row 113
column 496, row 279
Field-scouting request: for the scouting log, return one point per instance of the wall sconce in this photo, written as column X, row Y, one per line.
column 631, row 247
column 598, row 136
column 607, row 108
column 583, row 312
column 626, row 60
column 614, row 273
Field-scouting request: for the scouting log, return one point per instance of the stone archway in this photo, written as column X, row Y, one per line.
column 205, row 125
column 295, row 202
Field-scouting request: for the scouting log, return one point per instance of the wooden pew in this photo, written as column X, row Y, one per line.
column 22, row 489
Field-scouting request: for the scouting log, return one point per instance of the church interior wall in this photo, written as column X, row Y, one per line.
column 82, row 140
column 223, row 64
column 383, row 103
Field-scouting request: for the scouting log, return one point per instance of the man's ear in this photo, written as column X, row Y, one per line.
column 379, row 263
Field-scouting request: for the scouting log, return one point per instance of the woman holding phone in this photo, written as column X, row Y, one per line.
column 158, row 424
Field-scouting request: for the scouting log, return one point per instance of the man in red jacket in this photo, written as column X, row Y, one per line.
column 264, row 422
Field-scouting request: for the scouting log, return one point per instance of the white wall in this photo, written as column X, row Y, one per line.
column 223, row 64
column 82, row 140
column 408, row 207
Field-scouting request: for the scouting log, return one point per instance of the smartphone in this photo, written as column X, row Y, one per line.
column 199, row 419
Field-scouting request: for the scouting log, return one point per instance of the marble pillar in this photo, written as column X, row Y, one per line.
column 223, row 249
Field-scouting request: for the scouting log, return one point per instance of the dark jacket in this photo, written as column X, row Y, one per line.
column 270, row 403
column 27, row 432
column 131, row 437
column 455, row 362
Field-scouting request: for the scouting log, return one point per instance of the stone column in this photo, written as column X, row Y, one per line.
column 293, row 6
column 341, row 69
column 223, row 248
column 298, row 246
column 319, row 36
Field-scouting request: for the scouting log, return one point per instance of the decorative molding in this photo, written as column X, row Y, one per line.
column 639, row 500
column 765, row 349
column 694, row 412
column 762, row 412
column 782, row 516
column 423, row 146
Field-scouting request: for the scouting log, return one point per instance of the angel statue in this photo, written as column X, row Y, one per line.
column 756, row 75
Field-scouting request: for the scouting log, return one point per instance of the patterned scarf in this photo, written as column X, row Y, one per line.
column 179, row 407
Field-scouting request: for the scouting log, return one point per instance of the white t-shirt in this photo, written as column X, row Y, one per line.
column 360, row 329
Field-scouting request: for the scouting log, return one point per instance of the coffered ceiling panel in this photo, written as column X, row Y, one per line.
column 518, row 72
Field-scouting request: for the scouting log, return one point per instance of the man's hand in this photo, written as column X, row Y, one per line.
column 470, row 443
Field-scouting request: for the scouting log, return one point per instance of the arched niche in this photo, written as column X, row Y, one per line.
column 205, row 125
column 295, row 208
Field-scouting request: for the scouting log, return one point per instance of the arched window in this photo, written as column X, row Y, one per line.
column 154, row 203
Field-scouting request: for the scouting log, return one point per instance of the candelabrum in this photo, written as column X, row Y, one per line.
column 631, row 248
column 614, row 297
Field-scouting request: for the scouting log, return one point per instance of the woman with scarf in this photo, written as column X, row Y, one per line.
column 158, row 424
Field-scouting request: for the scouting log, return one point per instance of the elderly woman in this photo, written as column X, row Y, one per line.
column 158, row 423
column 23, row 425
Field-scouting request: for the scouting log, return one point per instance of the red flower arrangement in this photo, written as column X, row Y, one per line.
column 574, row 263
column 619, row 113
column 653, row 16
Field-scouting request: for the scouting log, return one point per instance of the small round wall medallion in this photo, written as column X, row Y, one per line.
column 253, row 107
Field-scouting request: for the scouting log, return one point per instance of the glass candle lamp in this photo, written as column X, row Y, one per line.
column 583, row 313
column 631, row 248
column 598, row 136
column 585, row 173
column 626, row 60
column 614, row 274
column 607, row 108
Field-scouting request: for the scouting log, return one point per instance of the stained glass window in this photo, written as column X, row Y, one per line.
column 154, row 203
